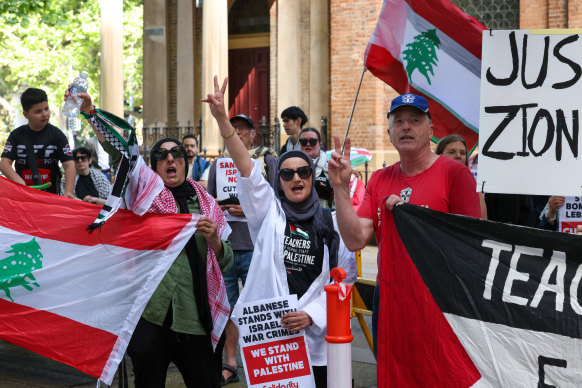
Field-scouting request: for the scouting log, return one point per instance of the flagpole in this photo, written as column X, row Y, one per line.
column 353, row 108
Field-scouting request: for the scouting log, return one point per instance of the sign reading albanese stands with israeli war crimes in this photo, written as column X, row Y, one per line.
column 272, row 356
column 531, row 101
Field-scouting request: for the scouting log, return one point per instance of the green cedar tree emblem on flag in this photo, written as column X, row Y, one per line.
column 15, row 269
column 421, row 54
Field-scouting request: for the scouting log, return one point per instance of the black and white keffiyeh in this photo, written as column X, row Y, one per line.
column 111, row 127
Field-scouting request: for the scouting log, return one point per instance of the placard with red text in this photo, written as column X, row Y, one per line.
column 570, row 215
column 226, row 184
column 272, row 356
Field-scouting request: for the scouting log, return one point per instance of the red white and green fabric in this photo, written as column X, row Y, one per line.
column 139, row 189
column 431, row 48
column 73, row 296
column 358, row 156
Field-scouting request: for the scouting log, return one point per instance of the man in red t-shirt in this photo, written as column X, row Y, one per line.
column 421, row 178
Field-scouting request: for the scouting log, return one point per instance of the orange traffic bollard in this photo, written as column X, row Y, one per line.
column 339, row 331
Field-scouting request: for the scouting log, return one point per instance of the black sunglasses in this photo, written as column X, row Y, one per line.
column 177, row 152
column 80, row 158
column 312, row 142
column 287, row 174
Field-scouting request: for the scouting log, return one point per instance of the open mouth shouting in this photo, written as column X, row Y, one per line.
column 171, row 169
column 297, row 188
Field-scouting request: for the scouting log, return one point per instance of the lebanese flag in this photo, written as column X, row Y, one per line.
column 479, row 303
column 73, row 296
column 431, row 48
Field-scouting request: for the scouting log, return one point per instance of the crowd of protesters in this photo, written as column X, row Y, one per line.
column 277, row 193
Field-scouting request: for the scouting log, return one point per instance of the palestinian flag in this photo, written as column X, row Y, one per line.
column 73, row 296
column 483, row 304
column 431, row 48
column 298, row 231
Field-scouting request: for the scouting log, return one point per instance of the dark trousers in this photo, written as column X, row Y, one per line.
column 320, row 376
column 153, row 347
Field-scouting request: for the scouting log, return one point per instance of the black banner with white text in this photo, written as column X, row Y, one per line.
column 510, row 294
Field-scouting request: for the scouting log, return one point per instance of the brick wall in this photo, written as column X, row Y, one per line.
column 351, row 25
column 533, row 14
column 557, row 14
column 575, row 14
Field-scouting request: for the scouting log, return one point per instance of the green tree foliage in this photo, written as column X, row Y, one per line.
column 421, row 54
column 47, row 43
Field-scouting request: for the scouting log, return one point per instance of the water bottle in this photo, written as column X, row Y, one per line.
column 72, row 103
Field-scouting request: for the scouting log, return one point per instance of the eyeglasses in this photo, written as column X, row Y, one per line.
column 177, row 152
column 287, row 174
column 304, row 142
column 80, row 158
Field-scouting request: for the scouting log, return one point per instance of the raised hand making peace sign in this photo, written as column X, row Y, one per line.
column 234, row 144
column 216, row 100
column 339, row 166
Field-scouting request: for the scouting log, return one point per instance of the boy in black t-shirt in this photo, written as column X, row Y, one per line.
column 48, row 143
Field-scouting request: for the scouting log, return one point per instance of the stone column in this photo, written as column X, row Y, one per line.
column 288, row 57
column 185, row 64
column 318, row 62
column 214, row 62
column 155, row 80
column 112, row 56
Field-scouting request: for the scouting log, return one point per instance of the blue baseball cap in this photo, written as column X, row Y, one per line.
column 245, row 118
column 410, row 99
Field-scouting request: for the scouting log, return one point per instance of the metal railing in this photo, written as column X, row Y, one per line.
column 154, row 133
column 268, row 135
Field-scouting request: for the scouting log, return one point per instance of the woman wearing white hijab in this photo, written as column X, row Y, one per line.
column 295, row 241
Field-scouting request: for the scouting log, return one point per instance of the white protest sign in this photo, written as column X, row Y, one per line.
column 226, row 184
column 530, row 113
column 570, row 215
column 225, row 179
column 272, row 356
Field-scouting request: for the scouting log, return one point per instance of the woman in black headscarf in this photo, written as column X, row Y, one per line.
column 296, row 241
column 176, row 324
column 184, row 318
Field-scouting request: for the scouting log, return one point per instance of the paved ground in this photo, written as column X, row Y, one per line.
column 20, row 368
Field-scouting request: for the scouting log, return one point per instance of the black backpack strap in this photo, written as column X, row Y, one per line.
column 31, row 156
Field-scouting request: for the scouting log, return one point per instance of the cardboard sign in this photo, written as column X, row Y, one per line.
column 226, row 183
column 530, row 113
column 225, row 178
column 272, row 356
column 570, row 215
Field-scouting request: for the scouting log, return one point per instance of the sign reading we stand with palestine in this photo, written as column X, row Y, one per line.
column 272, row 356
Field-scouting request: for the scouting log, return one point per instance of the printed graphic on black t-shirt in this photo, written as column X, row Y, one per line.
column 303, row 261
column 50, row 146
